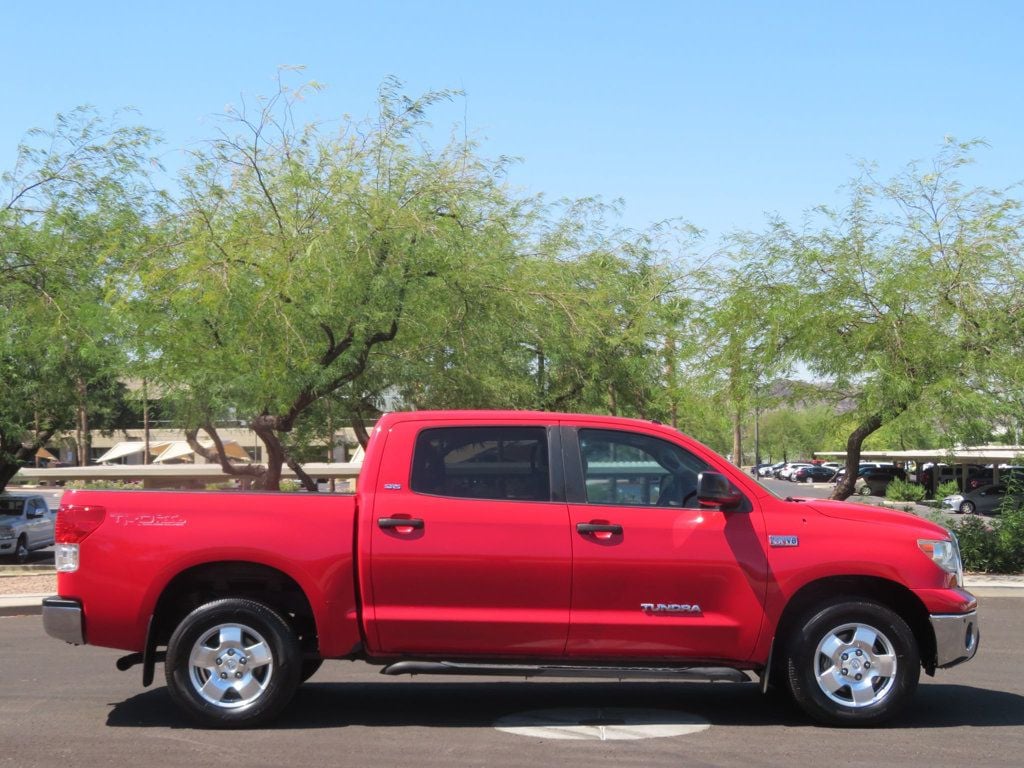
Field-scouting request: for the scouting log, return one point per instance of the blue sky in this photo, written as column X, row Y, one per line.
column 713, row 112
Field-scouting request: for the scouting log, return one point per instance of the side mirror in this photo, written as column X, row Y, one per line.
column 714, row 490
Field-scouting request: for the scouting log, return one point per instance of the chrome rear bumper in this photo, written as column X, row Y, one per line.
column 62, row 618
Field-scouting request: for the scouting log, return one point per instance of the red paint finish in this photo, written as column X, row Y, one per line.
column 416, row 574
column 712, row 561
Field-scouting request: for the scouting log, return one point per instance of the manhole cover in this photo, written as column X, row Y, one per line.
column 609, row 724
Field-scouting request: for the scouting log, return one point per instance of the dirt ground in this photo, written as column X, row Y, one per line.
column 28, row 584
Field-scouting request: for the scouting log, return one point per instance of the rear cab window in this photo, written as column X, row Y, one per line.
column 488, row 462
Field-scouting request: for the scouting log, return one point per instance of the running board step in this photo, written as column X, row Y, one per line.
column 701, row 674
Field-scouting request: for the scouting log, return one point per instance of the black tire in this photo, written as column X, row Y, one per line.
column 967, row 508
column 852, row 663
column 233, row 663
column 21, row 553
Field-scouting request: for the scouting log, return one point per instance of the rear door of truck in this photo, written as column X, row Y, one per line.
column 469, row 540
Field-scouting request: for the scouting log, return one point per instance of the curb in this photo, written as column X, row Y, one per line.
column 22, row 605
column 33, row 568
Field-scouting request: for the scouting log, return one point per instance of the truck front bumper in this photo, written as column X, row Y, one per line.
column 62, row 618
column 956, row 638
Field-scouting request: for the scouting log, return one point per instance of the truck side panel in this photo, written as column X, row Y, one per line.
column 148, row 538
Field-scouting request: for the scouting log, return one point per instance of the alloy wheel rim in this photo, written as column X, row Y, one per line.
column 230, row 666
column 855, row 665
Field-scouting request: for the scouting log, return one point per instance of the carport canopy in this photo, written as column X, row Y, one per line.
column 180, row 449
column 129, row 447
column 961, row 456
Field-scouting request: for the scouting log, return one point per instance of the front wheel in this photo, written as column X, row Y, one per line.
column 967, row 507
column 852, row 663
column 233, row 663
column 21, row 553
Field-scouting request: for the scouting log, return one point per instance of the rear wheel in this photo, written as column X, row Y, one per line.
column 233, row 663
column 852, row 663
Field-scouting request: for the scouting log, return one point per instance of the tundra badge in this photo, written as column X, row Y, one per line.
column 669, row 608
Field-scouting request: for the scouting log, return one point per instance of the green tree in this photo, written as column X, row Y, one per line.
column 299, row 258
column 902, row 293
column 74, row 205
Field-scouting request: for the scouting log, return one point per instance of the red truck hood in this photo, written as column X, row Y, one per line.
column 864, row 513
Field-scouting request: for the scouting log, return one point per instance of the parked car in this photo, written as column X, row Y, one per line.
column 934, row 475
column 786, row 473
column 987, row 500
column 757, row 468
column 864, row 466
column 26, row 524
column 771, row 469
column 986, row 476
column 816, row 474
column 873, row 481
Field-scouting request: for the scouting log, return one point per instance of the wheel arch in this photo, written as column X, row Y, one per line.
column 204, row 583
column 891, row 594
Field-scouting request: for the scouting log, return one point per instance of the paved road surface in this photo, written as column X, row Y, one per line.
column 61, row 705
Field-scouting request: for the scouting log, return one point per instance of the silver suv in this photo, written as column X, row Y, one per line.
column 26, row 523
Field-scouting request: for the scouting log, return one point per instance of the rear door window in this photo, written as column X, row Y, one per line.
column 509, row 463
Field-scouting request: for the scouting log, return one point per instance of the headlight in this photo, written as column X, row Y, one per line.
column 946, row 555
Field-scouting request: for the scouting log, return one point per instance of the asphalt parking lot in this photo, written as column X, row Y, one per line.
column 65, row 705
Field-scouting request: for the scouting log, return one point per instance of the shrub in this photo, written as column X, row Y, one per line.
column 902, row 490
column 103, row 485
column 993, row 545
column 979, row 546
column 945, row 489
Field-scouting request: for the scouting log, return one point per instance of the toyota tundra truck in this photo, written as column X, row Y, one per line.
column 502, row 542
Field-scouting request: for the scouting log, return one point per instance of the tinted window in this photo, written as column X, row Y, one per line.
column 631, row 469
column 11, row 506
column 483, row 463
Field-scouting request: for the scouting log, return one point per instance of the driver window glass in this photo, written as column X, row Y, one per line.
column 629, row 469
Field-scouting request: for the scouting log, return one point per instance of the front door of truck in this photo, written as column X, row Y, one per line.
column 654, row 573
column 470, row 553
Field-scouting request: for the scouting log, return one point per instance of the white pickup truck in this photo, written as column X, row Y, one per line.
column 26, row 524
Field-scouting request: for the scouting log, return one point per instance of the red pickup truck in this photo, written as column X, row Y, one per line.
column 515, row 543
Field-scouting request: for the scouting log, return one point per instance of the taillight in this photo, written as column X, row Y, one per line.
column 75, row 522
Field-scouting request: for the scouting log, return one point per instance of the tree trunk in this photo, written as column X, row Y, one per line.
column 145, row 424
column 84, row 436
column 359, row 427
column 8, row 469
column 845, row 488
column 737, row 438
column 19, row 453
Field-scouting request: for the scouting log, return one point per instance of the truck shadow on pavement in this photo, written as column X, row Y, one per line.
column 479, row 704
